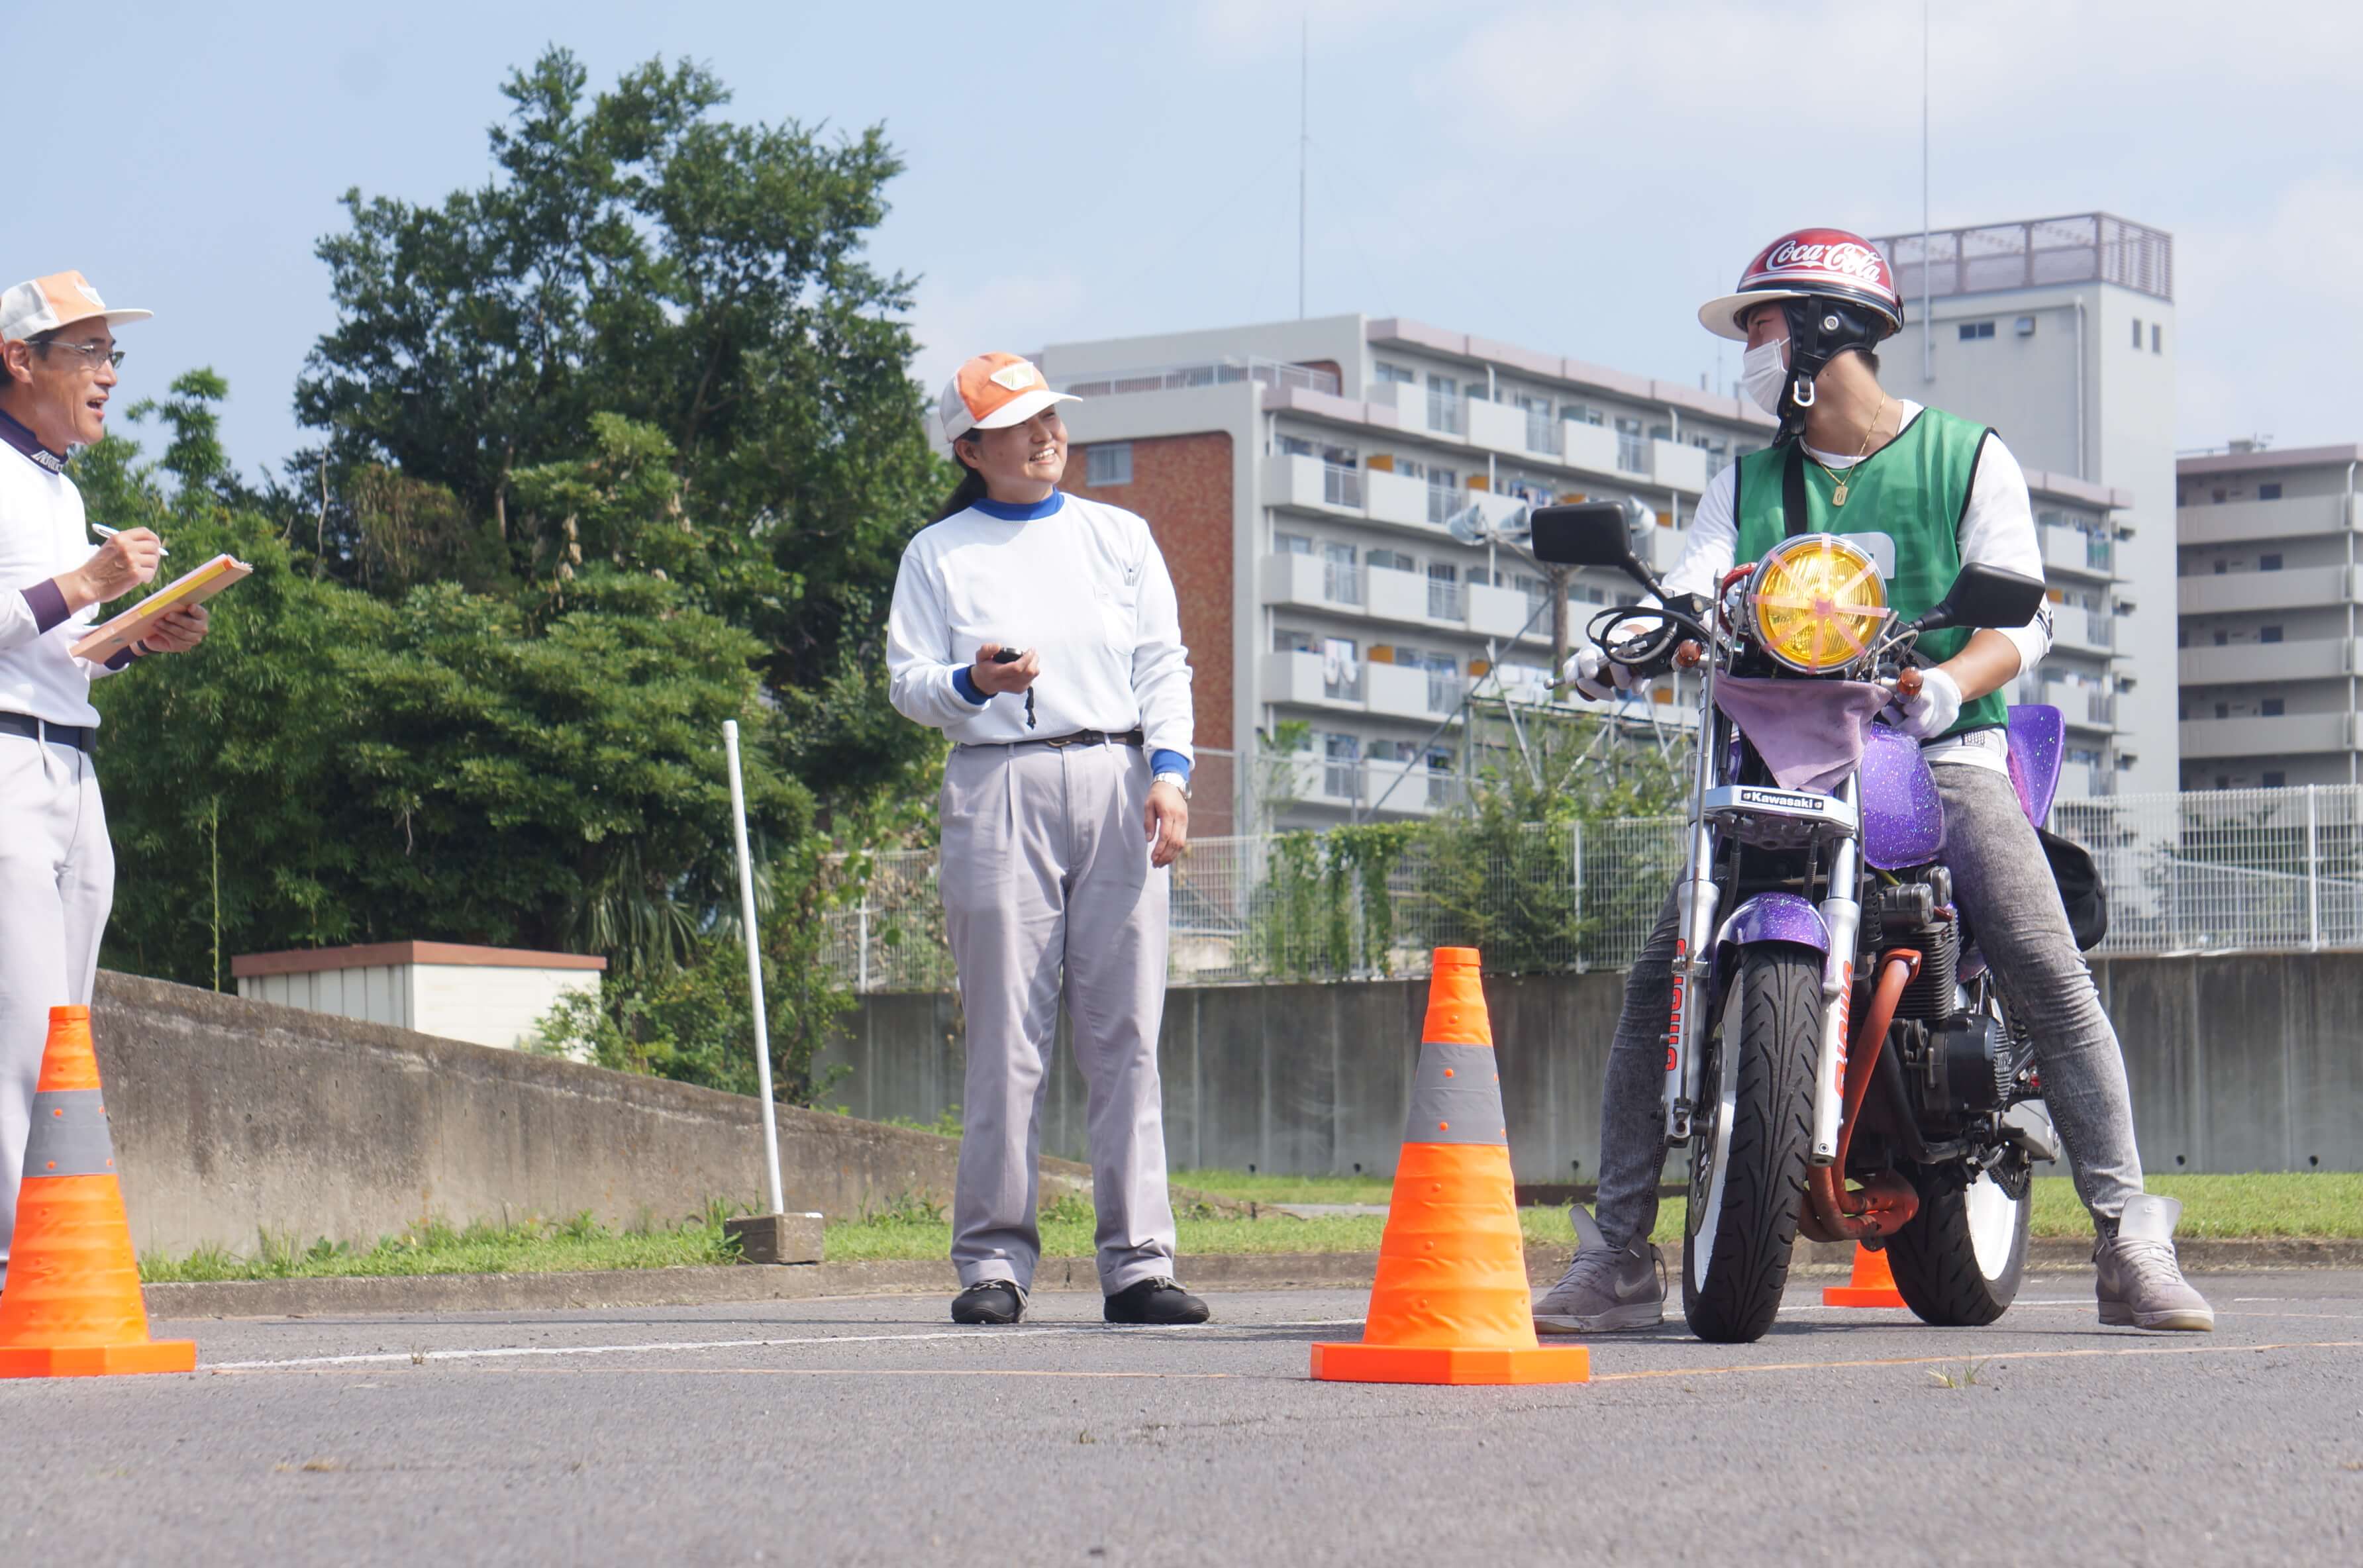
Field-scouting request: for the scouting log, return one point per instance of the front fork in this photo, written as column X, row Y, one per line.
column 1841, row 915
column 1695, row 902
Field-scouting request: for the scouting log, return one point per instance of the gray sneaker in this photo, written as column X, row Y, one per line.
column 1606, row 1289
column 2139, row 1283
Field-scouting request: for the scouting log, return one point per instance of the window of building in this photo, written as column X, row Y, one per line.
column 2269, row 491
column 2269, row 563
column 2222, row 565
column 1108, row 463
column 2137, row 334
column 1401, row 373
column 2223, row 637
column 2268, row 634
column 1410, row 467
column 2223, row 710
column 1291, row 543
column 2157, row 338
column 1392, row 560
column 1973, row 330
column 2270, row 707
column 2276, row 779
column 1580, row 413
column 2219, row 495
column 1284, row 640
column 1296, row 447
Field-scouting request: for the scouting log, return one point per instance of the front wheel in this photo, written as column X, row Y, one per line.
column 1749, row 1145
column 1959, row 1262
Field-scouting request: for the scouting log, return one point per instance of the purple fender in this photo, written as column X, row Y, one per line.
column 1902, row 820
column 1774, row 917
column 2036, row 738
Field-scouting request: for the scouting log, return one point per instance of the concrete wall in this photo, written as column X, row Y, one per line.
column 2236, row 1064
column 234, row 1117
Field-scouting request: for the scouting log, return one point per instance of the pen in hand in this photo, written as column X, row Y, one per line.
column 103, row 532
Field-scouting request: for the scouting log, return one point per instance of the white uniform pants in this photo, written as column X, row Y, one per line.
column 57, row 882
column 1048, row 891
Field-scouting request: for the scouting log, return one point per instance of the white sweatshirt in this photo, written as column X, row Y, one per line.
column 1998, row 529
column 42, row 533
column 1081, row 582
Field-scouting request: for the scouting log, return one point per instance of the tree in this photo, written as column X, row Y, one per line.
column 643, row 286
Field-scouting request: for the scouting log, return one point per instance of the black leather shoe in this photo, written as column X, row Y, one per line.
column 990, row 1301
column 1155, row 1301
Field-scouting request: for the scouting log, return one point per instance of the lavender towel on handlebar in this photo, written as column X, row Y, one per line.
column 1809, row 732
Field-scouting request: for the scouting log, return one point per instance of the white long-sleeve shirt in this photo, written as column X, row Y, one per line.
column 1081, row 582
column 42, row 533
column 1998, row 529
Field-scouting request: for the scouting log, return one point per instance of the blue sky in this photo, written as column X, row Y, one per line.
column 1574, row 177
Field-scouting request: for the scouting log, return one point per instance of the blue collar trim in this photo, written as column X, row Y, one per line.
column 1009, row 513
column 16, row 435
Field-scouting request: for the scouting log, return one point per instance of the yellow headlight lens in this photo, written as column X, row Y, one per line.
column 1819, row 601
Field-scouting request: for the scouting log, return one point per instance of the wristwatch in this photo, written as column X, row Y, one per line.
column 1179, row 780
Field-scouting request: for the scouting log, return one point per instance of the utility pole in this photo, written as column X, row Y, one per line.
column 1927, row 325
column 1556, row 580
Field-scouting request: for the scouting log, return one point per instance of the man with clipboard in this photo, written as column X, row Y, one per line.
column 57, row 870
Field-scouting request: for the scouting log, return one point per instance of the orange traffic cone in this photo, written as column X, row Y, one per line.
column 1451, row 1302
column 1873, row 1283
column 72, row 1308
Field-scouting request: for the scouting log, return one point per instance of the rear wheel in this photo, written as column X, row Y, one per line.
column 1749, row 1143
column 1959, row 1262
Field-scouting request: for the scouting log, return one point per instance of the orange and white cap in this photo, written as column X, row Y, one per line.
column 994, row 390
column 59, row 300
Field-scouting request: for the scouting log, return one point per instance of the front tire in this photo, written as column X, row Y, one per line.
column 1959, row 1263
column 1749, row 1145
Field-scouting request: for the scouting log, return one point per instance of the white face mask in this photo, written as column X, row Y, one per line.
column 1764, row 373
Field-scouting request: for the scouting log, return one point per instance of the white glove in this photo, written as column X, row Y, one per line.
column 1936, row 710
column 1595, row 677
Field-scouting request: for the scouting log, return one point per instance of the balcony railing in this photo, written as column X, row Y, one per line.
column 1633, row 453
column 1444, row 413
column 1341, row 582
column 1443, row 500
column 1341, row 485
column 1444, row 600
column 1348, row 689
column 2086, row 247
column 1542, row 433
column 1444, row 687
column 1204, row 374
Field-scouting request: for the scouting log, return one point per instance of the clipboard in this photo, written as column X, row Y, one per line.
column 101, row 642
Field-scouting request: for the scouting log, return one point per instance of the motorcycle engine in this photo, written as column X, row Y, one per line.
column 1972, row 1065
column 1919, row 914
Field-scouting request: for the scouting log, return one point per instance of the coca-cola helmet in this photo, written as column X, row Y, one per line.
column 1827, row 263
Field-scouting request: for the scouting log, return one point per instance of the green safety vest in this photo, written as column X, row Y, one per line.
column 1914, row 490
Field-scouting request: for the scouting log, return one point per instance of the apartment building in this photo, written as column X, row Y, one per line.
column 2266, row 593
column 1310, row 483
column 1315, row 486
column 2061, row 333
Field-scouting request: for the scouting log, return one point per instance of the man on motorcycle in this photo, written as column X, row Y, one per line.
column 1811, row 308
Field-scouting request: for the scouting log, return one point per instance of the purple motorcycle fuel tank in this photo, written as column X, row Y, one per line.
column 1903, row 818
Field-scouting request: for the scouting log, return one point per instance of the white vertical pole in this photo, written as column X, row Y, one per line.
column 2313, row 870
column 754, row 966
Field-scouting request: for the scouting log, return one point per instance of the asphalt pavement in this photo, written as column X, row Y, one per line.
column 872, row 1431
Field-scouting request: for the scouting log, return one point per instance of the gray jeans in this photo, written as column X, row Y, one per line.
column 2002, row 883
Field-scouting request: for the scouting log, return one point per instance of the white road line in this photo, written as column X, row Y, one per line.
column 1035, row 1331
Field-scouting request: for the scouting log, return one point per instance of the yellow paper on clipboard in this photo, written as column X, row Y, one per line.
column 101, row 642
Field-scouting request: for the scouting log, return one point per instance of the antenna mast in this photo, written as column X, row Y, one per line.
column 1927, row 325
column 1304, row 145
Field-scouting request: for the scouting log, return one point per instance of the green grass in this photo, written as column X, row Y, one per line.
column 2318, row 1205
column 532, row 1246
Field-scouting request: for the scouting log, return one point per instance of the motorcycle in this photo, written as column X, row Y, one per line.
column 1838, row 1062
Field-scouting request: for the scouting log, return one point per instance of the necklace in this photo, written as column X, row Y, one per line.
column 1838, row 496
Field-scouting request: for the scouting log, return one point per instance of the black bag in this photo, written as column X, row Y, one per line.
column 2080, row 892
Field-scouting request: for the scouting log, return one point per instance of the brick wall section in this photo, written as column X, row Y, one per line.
column 1181, row 484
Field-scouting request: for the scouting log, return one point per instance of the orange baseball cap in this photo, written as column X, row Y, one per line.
column 59, row 300
column 993, row 391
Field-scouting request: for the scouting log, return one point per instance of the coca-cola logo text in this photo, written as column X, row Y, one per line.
column 1846, row 258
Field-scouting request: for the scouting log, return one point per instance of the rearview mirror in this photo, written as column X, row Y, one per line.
column 1986, row 596
column 1589, row 534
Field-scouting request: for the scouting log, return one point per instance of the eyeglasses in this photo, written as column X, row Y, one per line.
column 91, row 352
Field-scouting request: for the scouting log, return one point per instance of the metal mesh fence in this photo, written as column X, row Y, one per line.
column 2228, row 871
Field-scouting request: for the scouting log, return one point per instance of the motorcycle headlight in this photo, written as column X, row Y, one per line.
column 1818, row 602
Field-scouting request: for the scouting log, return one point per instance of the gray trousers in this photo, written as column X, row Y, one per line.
column 2002, row 883
column 57, row 884
column 1048, row 893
